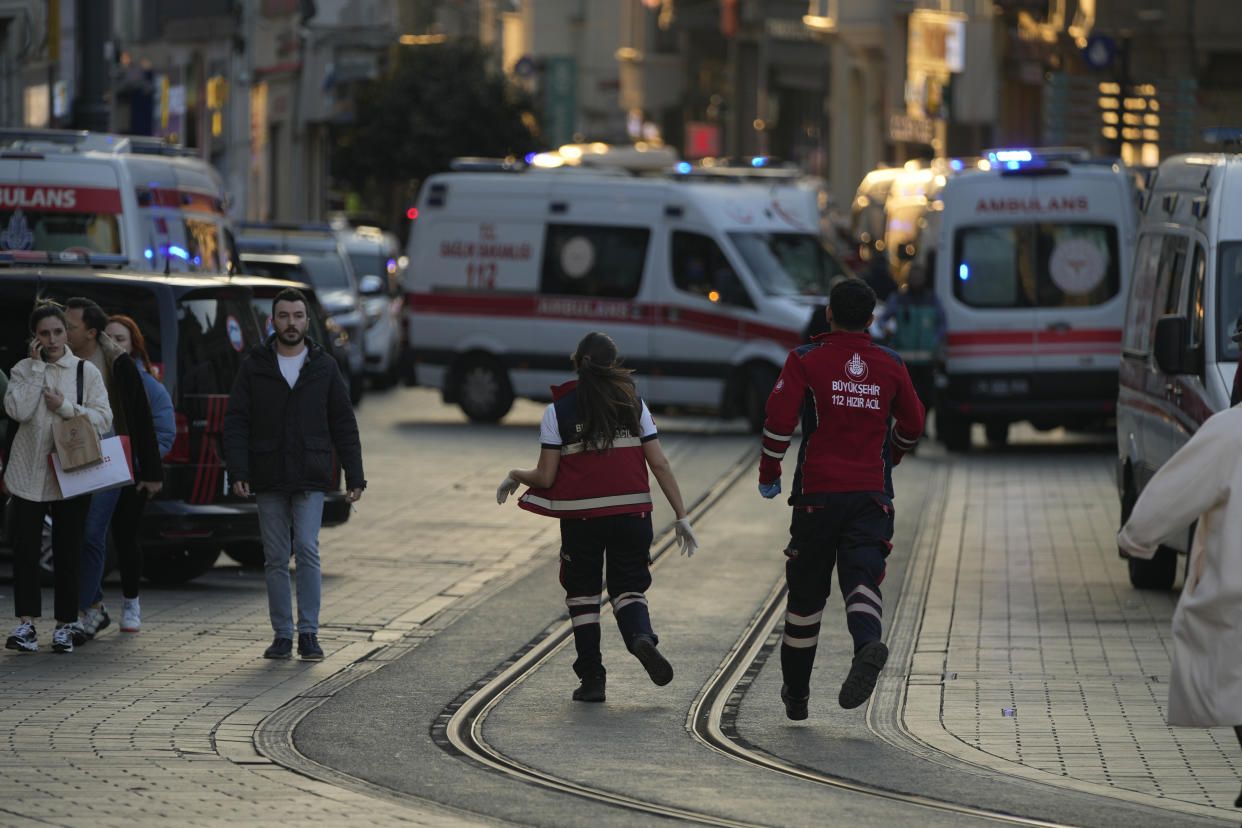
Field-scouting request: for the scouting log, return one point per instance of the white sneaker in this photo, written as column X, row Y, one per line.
column 24, row 638
column 94, row 620
column 131, row 616
column 62, row 640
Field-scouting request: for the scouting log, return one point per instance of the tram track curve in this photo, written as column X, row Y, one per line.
column 459, row 727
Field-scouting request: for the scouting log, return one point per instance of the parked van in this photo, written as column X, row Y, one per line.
column 197, row 330
column 1033, row 265
column 1178, row 359
column 160, row 207
column 705, row 285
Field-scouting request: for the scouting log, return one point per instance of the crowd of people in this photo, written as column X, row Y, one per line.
column 93, row 371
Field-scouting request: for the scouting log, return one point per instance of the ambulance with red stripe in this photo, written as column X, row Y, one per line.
column 1032, row 267
column 704, row 284
column 159, row 207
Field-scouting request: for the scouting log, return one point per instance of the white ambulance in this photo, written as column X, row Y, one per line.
column 1032, row 269
column 158, row 207
column 1179, row 356
column 704, row 284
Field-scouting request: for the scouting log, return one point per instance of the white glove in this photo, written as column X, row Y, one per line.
column 685, row 537
column 508, row 487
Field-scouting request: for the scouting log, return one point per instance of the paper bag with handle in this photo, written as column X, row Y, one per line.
column 77, row 441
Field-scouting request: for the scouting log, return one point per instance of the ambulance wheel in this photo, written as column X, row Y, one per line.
column 953, row 431
column 997, row 433
column 483, row 389
column 759, row 382
column 1158, row 573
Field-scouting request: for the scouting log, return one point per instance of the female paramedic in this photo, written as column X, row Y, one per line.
column 597, row 441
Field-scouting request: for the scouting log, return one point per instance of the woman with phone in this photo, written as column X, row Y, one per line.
column 43, row 387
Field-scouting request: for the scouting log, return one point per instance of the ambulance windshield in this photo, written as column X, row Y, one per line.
column 1229, row 302
column 789, row 264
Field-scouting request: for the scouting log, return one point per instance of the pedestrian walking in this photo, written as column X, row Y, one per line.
column 131, row 416
column 597, row 441
column 127, row 516
column 913, row 323
column 859, row 415
column 288, row 410
column 49, row 384
column 1203, row 481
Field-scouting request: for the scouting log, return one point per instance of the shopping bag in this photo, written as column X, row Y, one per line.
column 77, row 442
column 114, row 470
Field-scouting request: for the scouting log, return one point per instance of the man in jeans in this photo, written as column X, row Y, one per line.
column 287, row 411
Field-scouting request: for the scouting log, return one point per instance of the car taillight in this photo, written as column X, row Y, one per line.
column 180, row 451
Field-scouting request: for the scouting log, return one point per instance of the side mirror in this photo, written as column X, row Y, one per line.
column 370, row 285
column 1173, row 355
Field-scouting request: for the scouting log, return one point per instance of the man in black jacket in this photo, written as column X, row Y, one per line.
column 288, row 409
column 131, row 416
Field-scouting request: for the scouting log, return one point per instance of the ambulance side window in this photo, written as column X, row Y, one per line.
column 1196, row 304
column 700, row 267
column 586, row 260
column 1169, row 283
column 1139, row 313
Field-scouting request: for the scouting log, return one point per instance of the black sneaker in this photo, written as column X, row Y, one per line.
column 281, row 648
column 795, row 708
column 864, row 670
column 591, row 690
column 656, row 665
column 308, row 647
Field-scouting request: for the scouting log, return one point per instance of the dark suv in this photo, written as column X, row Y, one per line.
column 197, row 330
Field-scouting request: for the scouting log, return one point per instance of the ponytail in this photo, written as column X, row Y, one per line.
column 607, row 401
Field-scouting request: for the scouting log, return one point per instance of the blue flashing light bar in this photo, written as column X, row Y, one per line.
column 956, row 165
column 529, row 157
column 963, row 272
column 148, row 254
column 1008, row 157
column 179, row 252
column 684, row 167
column 759, row 161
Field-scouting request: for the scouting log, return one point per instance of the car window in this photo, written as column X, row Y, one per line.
column 699, row 267
column 369, row 262
column 1228, row 298
column 789, row 264
column 214, row 330
column 1142, row 295
column 586, row 260
column 1036, row 265
column 93, row 232
column 326, row 271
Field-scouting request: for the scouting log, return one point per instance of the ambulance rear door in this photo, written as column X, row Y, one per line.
column 60, row 204
column 988, row 298
column 1082, row 244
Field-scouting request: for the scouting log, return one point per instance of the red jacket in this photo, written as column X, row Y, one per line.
column 847, row 390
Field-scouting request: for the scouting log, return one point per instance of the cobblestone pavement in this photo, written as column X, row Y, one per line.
column 159, row 726
column 1037, row 657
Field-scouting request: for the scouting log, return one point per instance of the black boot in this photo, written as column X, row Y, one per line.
column 591, row 689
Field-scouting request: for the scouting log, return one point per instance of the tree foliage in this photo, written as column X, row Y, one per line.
column 438, row 102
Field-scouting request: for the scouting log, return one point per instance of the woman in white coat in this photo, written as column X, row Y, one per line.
column 1203, row 480
column 42, row 388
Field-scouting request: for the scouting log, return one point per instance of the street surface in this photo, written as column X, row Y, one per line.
column 1004, row 593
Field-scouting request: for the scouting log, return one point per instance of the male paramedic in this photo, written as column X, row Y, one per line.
column 860, row 414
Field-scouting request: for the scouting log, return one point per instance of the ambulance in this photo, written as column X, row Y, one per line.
column 158, row 207
column 1033, row 266
column 1179, row 352
column 704, row 284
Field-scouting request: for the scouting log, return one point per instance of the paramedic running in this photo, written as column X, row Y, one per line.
column 598, row 440
column 859, row 416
